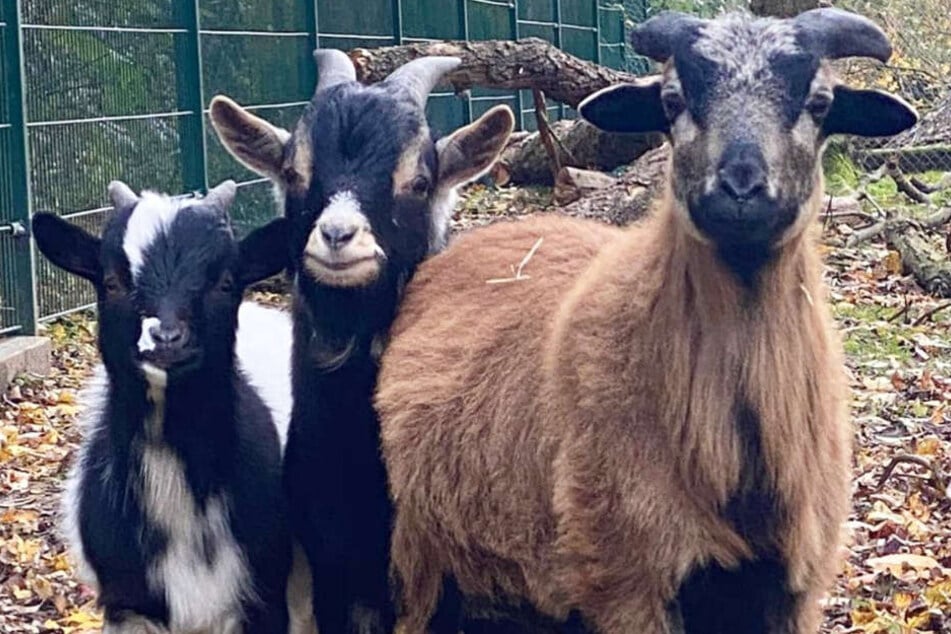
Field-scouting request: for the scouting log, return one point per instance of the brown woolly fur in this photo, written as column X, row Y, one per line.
column 572, row 439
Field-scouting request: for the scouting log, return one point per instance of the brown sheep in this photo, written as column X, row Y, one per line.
column 647, row 431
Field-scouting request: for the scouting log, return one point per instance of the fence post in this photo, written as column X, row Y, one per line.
column 24, row 265
column 519, row 105
column 398, row 21
column 188, row 76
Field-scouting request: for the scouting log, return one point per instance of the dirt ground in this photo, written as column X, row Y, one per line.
column 896, row 577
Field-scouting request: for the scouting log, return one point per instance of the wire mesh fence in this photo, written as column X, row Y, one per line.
column 93, row 90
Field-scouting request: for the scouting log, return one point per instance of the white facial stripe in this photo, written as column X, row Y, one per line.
column 344, row 206
column 146, row 343
column 150, row 218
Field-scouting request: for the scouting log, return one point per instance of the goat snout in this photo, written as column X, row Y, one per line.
column 337, row 234
column 169, row 334
column 742, row 172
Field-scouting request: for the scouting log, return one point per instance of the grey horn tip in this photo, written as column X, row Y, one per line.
column 222, row 195
column 121, row 195
column 333, row 67
column 657, row 37
column 836, row 33
column 421, row 75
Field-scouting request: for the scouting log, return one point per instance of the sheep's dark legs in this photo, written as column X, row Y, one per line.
column 269, row 616
column 752, row 599
column 340, row 607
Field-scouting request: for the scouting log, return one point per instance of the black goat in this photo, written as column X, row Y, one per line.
column 174, row 507
column 369, row 192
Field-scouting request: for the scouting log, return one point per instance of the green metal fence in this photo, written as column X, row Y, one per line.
column 92, row 90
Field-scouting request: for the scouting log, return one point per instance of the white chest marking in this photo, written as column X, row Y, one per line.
column 202, row 572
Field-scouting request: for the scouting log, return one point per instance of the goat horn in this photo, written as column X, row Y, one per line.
column 657, row 37
column 333, row 67
column 122, row 195
column 834, row 34
column 421, row 75
column 222, row 195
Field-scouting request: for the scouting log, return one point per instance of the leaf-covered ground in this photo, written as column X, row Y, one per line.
column 896, row 577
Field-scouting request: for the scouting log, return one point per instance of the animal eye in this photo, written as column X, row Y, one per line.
column 112, row 285
column 420, row 186
column 673, row 104
column 819, row 105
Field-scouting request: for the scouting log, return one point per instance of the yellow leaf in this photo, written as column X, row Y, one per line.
column 897, row 563
column 902, row 600
column 928, row 446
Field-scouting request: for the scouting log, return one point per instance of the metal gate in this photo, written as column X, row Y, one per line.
column 93, row 90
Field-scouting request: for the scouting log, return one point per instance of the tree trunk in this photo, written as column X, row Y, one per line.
column 579, row 144
column 525, row 64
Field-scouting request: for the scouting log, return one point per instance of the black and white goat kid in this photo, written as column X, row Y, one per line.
column 174, row 507
column 369, row 192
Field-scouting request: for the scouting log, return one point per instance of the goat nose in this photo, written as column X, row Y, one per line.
column 337, row 235
column 169, row 335
column 743, row 180
column 743, row 172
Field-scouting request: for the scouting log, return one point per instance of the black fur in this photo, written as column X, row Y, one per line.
column 334, row 474
column 214, row 422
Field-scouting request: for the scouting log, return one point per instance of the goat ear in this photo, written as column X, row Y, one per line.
column 867, row 113
column 626, row 108
column 67, row 246
column 468, row 152
column 250, row 139
column 264, row 251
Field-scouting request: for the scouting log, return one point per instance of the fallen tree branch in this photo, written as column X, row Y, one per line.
column 526, row 64
column 904, row 185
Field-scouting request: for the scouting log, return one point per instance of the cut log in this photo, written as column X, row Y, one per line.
column 630, row 197
column 580, row 145
column 526, row 64
column 573, row 183
column 931, row 270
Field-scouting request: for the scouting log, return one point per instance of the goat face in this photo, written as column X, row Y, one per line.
column 747, row 105
column 169, row 276
column 366, row 186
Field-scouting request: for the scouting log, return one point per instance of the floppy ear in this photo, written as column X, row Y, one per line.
column 867, row 113
column 468, row 152
column 250, row 139
column 264, row 252
column 67, row 246
column 626, row 108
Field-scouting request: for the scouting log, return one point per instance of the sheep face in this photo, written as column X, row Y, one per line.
column 169, row 277
column 747, row 105
column 367, row 187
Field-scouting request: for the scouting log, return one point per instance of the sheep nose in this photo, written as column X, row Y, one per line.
column 169, row 335
column 743, row 172
column 337, row 235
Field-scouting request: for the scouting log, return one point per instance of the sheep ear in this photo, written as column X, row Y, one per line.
column 868, row 113
column 250, row 139
column 626, row 108
column 264, row 252
column 468, row 152
column 67, row 246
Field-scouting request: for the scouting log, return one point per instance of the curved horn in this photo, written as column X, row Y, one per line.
column 122, row 195
column 222, row 195
column 834, row 34
column 333, row 67
column 657, row 37
column 421, row 75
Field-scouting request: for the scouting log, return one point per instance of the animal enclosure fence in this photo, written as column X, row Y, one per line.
column 92, row 90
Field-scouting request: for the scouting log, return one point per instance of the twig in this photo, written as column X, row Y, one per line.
column 545, row 132
column 904, row 186
column 866, row 234
column 938, row 480
column 936, row 219
column 931, row 313
column 904, row 309
column 517, row 270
